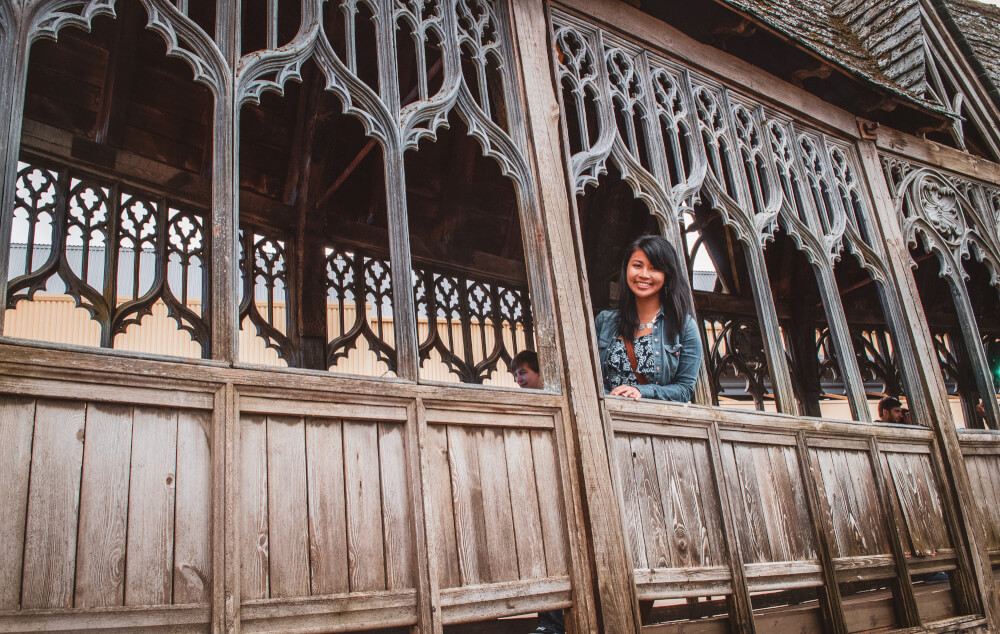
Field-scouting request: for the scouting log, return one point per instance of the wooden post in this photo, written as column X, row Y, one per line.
column 829, row 594
column 929, row 384
column 427, row 541
column 14, row 46
column 609, row 562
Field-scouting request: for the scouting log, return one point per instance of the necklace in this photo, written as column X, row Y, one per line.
column 648, row 326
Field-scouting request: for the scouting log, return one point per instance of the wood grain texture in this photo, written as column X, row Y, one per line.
column 524, row 503
column 713, row 549
column 150, row 551
column 365, row 554
column 254, row 545
column 681, row 501
column 551, row 503
column 981, row 479
column 631, row 513
column 53, row 504
column 753, row 528
column 17, row 422
column 647, row 486
column 500, row 545
column 470, row 521
column 441, row 515
column 787, row 474
column 193, row 514
column 287, row 507
column 104, row 499
column 327, row 510
column 397, row 509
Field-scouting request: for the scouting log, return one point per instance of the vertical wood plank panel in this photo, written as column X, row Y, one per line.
column 758, row 549
column 254, row 556
column 524, row 503
column 631, row 514
column 53, row 504
column 287, row 514
column 669, row 491
column 17, row 423
column 786, row 467
column 989, row 467
column 149, row 557
column 650, row 504
column 774, row 495
column 192, row 538
column 366, row 557
column 327, row 510
column 837, row 509
column 470, row 523
column 986, row 497
column 501, row 547
column 100, row 550
column 712, row 551
column 551, row 503
column 897, row 509
column 397, row 522
column 442, row 513
column 854, row 476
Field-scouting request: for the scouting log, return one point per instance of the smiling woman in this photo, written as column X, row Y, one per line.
column 650, row 346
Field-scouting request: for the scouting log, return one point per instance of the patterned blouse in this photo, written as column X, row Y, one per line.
column 620, row 370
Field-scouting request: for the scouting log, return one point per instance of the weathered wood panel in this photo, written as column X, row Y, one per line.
column 53, row 499
column 914, row 486
column 327, row 507
column 632, row 511
column 847, row 490
column 470, row 521
column 254, row 550
column 397, row 511
column 149, row 555
column 193, row 515
column 104, row 507
column 551, row 503
column 442, row 515
column 766, row 484
column 524, row 504
column 984, row 476
column 287, row 514
column 17, row 422
column 366, row 556
column 501, row 548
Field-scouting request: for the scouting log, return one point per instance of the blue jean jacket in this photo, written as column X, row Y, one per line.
column 677, row 357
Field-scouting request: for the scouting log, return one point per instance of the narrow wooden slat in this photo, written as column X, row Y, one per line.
column 352, row 613
column 650, row 505
column 858, row 480
column 937, row 526
column 524, row 503
column 397, row 520
column 17, row 422
column 495, row 600
column 254, row 551
column 758, row 548
column 441, row 511
column 835, row 504
column 287, row 507
column 773, row 497
column 104, row 392
column 169, row 619
column 327, row 511
column 631, row 513
column 792, row 505
column 551, row 503
column 990, row 470
column 53, row 499
column 470, row 527
column 676, row 476
column 365, row 553
column 104, row 498
column 192, row 520
column 986, row 497
column 149, row 556
column 856, row 522
column 501, row 545
column 712, row 551
column 913, row 507
column 494, row 418
column 354, row 411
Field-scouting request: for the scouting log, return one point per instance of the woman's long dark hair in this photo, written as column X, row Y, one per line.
column 675, row 296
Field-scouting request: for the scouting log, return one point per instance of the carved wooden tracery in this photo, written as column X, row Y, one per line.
column 955, row 220
column 464, row 64
column 678, row 137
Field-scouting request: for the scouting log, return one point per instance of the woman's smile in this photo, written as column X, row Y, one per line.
column 642, row 278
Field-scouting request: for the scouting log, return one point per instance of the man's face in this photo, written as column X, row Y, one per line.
column 527, row 378
column 892, row 415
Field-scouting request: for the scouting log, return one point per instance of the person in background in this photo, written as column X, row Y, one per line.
column 890, row 410
column 524, row 368
column 649, row 346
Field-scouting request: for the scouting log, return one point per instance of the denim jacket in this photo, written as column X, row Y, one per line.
column 677, row 357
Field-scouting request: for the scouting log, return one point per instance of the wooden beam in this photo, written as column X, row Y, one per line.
column 604, row 534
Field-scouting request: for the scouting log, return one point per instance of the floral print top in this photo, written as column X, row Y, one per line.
column 620, row 370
